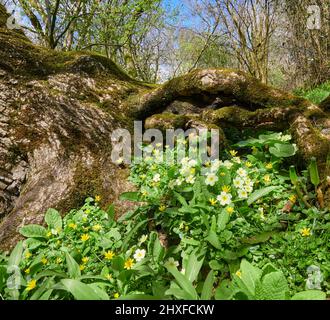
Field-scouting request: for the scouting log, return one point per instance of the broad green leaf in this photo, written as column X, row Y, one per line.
column 183, row 282
column 254, row 196
column 281, row 150
column 223, row 219
column 73, row 267
column 224, row 291
column 16, row 255
column 250, row 275
column 53, row 219
column 79, row 290
column 310, row 295
column 132, row 232
column 130, row 196
column 213, row 239
column 100, row 292
column 33, row 231
column 194, row 265
column 272, row 287
column 208, row 286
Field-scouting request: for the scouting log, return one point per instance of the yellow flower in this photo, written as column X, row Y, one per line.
column 109, row 255
column 230, row 210
column 233, row 153
column 49, row 234
column 31, row 285
column 269, row 166
column 109, row 276
column 267, row 178
column 97, row 227
column 213, row 201
column 97, row 198
column 222, row 174
column 27, row 271
column 129, row 263
column 162, row 208
column 144, row 193
column 44, row 260
column 239, row 274
column 84, row 259
column 82, row 267
column 87, row 211
column 84, row 237
column 226, row 189
column 116, row 295
column 305, row 232
column 248, row 164
column 58, row 260
column 192, row 171
column 28, row 255
column 72, row 225
column 293, row 198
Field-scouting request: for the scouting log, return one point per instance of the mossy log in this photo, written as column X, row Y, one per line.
column 58, row 110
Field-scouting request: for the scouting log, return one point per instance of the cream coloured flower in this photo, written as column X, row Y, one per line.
column 211, row 179
column 224, row 198
column 139, row 254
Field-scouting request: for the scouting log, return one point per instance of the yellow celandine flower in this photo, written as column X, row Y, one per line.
column 97, row 227
column 233, row 153
column 82, row 267
column 222, row 174
column 109, row 255
column 27, row 271
column 97, row 198
column 267, row 178
column 239, row 274
column 192, row 171
column 85, row 237
column 28, row 255
column 226, row 189
column 162, row 208
column 44, row 260
column 84, row 259
column 129, row 263
column 31, row 285
column 72, row 225
column 116, row 295
column 305, row 232
column 87, row 211
column 213, row 201
column 109, row 276
column 58, row 260
column 248, row 164
column 49, row 234
column 230, row 210
column 293, row 198
column 269, row 166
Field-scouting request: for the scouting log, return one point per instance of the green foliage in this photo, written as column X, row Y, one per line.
column 227, row 223
column 317, row 94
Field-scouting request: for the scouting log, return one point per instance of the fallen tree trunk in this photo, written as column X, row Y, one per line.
column 58, row 110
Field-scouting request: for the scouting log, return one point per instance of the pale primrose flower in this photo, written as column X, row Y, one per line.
column 248, row 188
column 224, row 198
column 238, row 182
column 241, row 172
column 190, row 179
column 143, row 238
column 139, row 254
column 192, row 163
column 228, row 164
column 171, row 262
column 242, row 194
column 215, row 165
column 156, row 177
column 211, row 179
column 185, row 161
